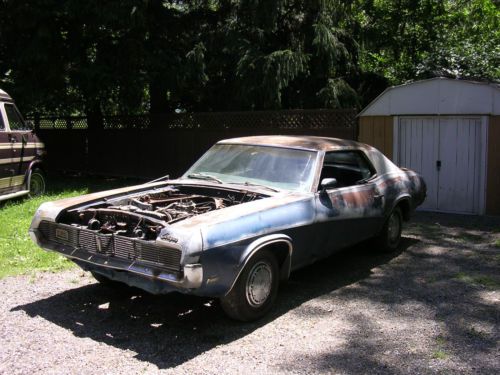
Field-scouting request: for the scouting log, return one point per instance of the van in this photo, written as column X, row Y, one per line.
column 21, row 152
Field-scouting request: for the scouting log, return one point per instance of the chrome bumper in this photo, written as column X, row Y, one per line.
column 190, row 277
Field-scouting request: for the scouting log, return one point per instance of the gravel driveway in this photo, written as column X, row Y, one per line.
column 432, row 308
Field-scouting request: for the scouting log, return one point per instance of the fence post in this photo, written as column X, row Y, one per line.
column 37, row 121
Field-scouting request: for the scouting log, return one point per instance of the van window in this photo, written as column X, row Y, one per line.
column 15, row 120
column 2, row 125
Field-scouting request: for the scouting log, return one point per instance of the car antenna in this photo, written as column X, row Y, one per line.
column 166, row 177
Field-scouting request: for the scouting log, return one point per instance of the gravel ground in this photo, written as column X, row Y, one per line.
column 433, row 307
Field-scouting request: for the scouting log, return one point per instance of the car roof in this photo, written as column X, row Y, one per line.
column 298, row 142
column 379, row 161
column 4, row 96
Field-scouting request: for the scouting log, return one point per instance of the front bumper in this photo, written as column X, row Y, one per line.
column 188, row 278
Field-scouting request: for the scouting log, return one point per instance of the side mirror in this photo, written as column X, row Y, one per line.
column 328, row 183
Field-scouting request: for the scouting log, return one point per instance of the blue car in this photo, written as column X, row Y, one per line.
column 246, row 214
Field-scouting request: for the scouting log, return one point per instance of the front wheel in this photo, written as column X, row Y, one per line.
column 37, row 183
column 253, row 294
column 390, row 237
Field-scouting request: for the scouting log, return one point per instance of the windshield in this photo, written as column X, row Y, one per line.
column 275, row 167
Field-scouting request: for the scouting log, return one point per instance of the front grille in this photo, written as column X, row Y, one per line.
column 112, row 246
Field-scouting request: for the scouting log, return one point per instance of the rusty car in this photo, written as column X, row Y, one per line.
column 21, row 152
column 246, row 214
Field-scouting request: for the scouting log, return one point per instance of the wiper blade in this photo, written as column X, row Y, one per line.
column 246, row 183
column 204, row 176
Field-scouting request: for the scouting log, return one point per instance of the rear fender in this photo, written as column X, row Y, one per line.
column 35, row 164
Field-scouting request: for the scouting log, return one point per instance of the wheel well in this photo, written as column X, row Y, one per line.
column 281, row 251
column 404, row 206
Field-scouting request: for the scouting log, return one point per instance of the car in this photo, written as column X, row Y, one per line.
column 21, row 153
column 246, row 214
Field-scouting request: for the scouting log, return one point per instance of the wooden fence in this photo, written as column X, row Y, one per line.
column 151, row 146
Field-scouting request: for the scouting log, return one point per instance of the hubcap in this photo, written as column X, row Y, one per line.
column 259, row 283
column 37, row 185
column 394, row 228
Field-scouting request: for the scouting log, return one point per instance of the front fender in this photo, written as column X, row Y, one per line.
column 223, row 265
column 266, row 241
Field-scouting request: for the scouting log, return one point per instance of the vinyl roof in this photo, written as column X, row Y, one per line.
column 298, row 142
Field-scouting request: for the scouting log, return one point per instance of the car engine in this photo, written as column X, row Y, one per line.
column 143, row 216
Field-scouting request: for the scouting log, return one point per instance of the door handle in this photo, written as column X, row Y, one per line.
column 438, row 164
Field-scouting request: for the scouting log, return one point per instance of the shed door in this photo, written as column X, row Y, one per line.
column 446, row 151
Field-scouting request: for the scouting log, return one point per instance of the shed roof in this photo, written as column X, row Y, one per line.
column 437, row 96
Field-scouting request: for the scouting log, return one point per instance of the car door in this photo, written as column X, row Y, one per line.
column 21, row 145
column 5, row 155
column 351, row 211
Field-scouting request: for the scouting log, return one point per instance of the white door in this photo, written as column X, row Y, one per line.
column 446, row 151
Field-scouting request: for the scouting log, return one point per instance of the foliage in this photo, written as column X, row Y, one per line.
column 131, row 56
column 469, row 44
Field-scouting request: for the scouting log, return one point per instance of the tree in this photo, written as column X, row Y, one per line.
column 469, row 44
column 133, row 56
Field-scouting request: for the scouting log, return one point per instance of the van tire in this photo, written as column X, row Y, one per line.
column 37, row 183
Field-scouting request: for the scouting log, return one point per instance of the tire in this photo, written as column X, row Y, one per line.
column 37, row 183
column 389, row 239
column 255, row 291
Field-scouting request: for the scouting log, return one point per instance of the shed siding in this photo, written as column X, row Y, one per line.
column 377, row 131
column 493, row 176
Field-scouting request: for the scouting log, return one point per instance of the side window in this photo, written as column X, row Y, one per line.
column 2, row 125
column 347, row 167
column 15, row 120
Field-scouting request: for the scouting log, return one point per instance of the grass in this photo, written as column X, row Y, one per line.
column 497, row 243
column 439, row 354
column 483, row 280
column 18, row 254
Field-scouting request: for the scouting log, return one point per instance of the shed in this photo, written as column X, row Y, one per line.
column 447, row 130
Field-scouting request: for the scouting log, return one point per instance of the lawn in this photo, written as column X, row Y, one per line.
column 18, row 254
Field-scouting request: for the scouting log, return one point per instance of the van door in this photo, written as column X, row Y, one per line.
column 5, row 156
column 22, row 147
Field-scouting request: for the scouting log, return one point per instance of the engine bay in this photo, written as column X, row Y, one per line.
column 144, row 215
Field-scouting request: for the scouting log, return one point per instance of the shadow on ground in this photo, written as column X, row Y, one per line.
column 438, row 274
column 444, row 281
column 169, row 330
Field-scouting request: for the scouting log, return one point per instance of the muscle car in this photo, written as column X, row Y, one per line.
column 246, row 214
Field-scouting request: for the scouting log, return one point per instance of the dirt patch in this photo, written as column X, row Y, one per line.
column 433, row 307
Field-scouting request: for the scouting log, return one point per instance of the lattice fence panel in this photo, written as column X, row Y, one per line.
column 258, row 120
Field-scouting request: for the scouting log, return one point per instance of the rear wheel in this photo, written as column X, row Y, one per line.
column 390, row 237
column 37, row 183
column 254, row 292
